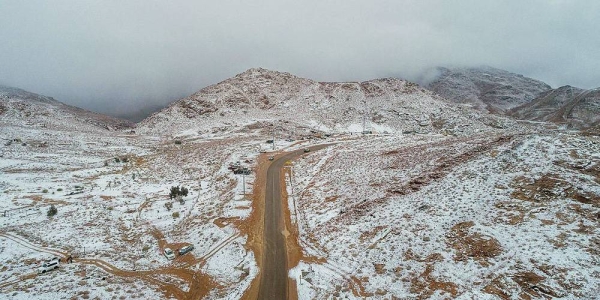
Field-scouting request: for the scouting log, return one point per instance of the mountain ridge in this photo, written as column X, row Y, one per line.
column 566, row 105
column 486, row 88
column 24, row 108
column 384, row 104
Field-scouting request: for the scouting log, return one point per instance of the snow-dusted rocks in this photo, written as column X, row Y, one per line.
column 380, row 105
column 568, row 106
column 484, row 217
column 22, row 108
column 486, row 88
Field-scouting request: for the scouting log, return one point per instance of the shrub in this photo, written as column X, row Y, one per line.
column 176, row 214
column 184, row 191
column 52, row 211
column 177, row 142
column 169, row 205
column 59, row 189
column 178, row 191
column 44, row 191
column 117, row 160
column 146, row 248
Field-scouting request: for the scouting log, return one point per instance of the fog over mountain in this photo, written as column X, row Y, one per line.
column 117, row 57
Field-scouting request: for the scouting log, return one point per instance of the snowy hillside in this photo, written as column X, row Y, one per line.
column 115, row 216
column 426, row 217
column 486, row 88
column 567, row 105
column 437, row 200
column 258, row 95
column 22, row 108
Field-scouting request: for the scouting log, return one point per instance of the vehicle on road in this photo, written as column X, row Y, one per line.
column 306, row 149
column 169, row 254
column 271, row 157
column 49, row 265
column 186, row 249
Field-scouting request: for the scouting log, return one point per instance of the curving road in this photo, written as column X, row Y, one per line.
column 274, row 272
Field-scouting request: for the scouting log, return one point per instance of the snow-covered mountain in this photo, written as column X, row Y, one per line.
column 486, row 88
column 575, row 107
column 258, row 96
column 22, row 108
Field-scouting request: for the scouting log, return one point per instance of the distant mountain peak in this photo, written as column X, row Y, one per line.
column 258, row 95
column 486, row 88
column 262, row 72
column 566, row 105
column 23, row 108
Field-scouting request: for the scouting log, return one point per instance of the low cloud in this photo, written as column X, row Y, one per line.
column 117, row 56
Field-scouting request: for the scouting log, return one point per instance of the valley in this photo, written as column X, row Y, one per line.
column 403, row 194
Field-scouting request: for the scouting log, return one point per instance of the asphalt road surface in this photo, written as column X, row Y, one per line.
column 274, row 273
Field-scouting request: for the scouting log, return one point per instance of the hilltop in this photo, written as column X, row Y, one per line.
column 486, row 88
column 258, row 95
column 22, row 108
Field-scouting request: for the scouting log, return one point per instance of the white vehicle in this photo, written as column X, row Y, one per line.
column 49, row 265
column 169, row 254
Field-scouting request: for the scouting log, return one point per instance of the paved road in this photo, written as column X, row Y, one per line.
column 274, row 273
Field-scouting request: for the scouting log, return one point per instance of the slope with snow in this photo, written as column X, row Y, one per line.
column 111, row 190
column 442, row 201
column 567, row 105
column 22, row 108
column 485, row 217
column 293, row 103
column 486, row 88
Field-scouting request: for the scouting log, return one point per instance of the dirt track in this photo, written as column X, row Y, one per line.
column 274, row 270
column 199, row 282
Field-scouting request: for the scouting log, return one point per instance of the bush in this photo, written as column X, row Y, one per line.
column 45, row 191
column 146, row 248
column 177, row 142
column 117, row 160
column 52, row 211
column 178, row 191
column 169, row 205
column 59, row 189
column 184, row 191
column 176, row 214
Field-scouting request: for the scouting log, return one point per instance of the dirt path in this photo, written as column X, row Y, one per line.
column 199, row 283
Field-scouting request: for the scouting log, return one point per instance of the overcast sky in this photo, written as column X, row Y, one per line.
column 114, row 56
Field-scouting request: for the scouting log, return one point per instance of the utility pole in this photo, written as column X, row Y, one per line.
column 291, row 173
column 274, row 136
column 364, row 122
column 244, row 184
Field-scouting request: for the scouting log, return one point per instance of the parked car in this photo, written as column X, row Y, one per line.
column 169, row 254
column 186, row 249
column 49, row 265
column 271, row 157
